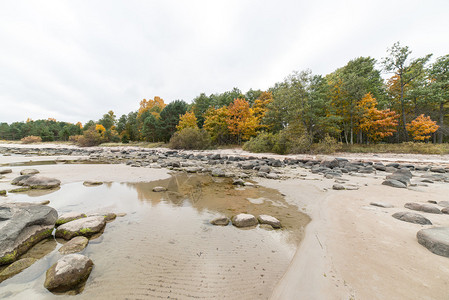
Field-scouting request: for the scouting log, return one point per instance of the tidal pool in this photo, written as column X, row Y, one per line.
column 165, row 247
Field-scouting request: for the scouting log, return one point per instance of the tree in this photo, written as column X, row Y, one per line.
column 216, row 125
column 422, row 128
column 170, row 118
column 439, row 89
column 260, row 107
column 150, row 128
column 187, row 120
column 199, row 107
column 377, row 124
column 398, row 63
column 241, row 120
column 108, row 120
column 154, row 106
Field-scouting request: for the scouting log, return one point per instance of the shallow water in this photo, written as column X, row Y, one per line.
column 165, row 247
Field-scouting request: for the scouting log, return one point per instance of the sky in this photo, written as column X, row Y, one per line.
column 76, row 60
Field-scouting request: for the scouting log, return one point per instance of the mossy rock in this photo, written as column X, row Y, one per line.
column 16, row 267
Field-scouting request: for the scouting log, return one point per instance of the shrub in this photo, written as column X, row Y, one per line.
column 327, row 145
column 125, row 139
column 190, row 138
column 74, row 138
column 264, row 142
column 31, row 139
column 90, row 138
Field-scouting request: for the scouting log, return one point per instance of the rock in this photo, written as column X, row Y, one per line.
column 402, row 175
column 75, row 245
column 2, row 192
column 338, row 187
column 221, row 220
column 84, row 226
column 247, row 183
column 29, row 172
column 159, row 189
column 20, row 180
column 394, row 183
column 217, row 172
column 265, row 169
column 445, row 210
column 435, row 239
column 266, row 219
column 379, row 167
column 92, row 183
column 437, row 170
column 381, row 204
column 244, row 220
column 5, row 171
column 45, row 202
column 109, row 217
column 412, row 218
column 443, row 203
column 272, row 176
column 121, row 215
column 22, row 226
column 16, row 267
column 41, row 182
column 67, row 217
column 20, row 190
column 422, row 207
column 238, row 181
column 68, row 273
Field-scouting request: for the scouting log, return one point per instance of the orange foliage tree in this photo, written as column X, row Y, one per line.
column 153, row 106
column 187, row 120
column 242, row 122
column 422, row 128
column 260, row 107
column 100, row 129
column 377, row 124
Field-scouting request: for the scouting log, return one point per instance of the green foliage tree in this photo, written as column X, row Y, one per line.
column 170, row 118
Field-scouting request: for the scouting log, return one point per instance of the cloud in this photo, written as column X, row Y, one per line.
column 75, row 60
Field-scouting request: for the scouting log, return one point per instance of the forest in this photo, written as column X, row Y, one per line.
column 352, row 105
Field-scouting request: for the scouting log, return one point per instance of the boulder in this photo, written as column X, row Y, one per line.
column 75, row 245
column 221, row 220
column 266, row 219
column 29, row 172
column 84, row 226
column 381, row 204
column 159, row 189
column 338, row 187
column 443, row 203
column 238, row 181
column 435, row 239
column 68, row 273
column 217, row 172
column 244, row 220
column 5, row 171
column 70, row 216
column 422, row 207
column 41, row 182
column 2, row 192
column 92, row 183
column 20, row 180
column 265, row 169
column 437, row 170
column 22, row 226
column 394, row 183
column 412, row 218
column 16, row 267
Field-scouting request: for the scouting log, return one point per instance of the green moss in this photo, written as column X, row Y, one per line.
column 86, row 231
column 20, row 190
column 8, row 258
column 3, row 193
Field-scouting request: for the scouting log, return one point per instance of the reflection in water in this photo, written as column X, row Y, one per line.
column 165, row 247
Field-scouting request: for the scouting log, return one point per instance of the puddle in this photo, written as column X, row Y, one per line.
column 165, row 247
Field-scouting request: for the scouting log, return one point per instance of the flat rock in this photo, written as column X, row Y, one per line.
column 422, row 207
column 244, row 220
column 217, row 172
column 338, row 187
column 438, row 170
column 41, row 182
column 266, row 219
column 238, row 181
column 159, row 189
column 412, row 218
column 70, row 216
column 381, row 204
column 16, row 267
column 75, row 245
column 394, row 183
column 92, row 183
column 5, row 171
column 221, row 220
column 443, row 203
column 68, row 273
column 84, row 226
column 20, row 180
column 265, row 169
column 445, row 210
column 22, row 226
column 435, row 239
column 29, row 172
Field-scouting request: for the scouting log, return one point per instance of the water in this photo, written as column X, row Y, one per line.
column 165, row 247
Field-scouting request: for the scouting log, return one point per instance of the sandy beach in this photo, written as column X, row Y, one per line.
column 350, row 250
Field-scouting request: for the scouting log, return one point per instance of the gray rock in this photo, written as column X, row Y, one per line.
column 437, row 170
column 379, row 167
column 445, row 210
column 41, row 182
column 67, row 217
column 29, row 172
column 266, row 219
column 20, row 180
column 394, row 183
column 85, row 227
column 435, row 239
column 68, row 273
column 422, row 207
column 159, row 189
column 92, row 183
column 381, row 204
column 75, row 245
column 217, row 172
column 221, row 220
column 22, row 226
column 412, row 218
column 5, row 171
column 272, row 176
column 338, row 187
column 443, row 203
column 265, row 169
column 238, row 181
column 244, row 220
column 16, row 267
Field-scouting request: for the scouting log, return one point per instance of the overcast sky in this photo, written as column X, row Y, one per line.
column 75, row 60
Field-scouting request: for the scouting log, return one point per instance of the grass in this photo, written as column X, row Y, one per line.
column 135, row 144
column 410, row 147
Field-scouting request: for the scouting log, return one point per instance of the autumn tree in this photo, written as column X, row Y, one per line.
column 260, row 108
column 377, row 124
column 241, row 120
column 422, row 128
column 407, row 70
column 187, row 120
column 154, row 106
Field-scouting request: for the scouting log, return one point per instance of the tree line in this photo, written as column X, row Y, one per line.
column 353, row 104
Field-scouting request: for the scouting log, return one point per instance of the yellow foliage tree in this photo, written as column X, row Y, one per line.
column 241, row 120
column 260, row 107
column 215, row 124
column 187, row 120
column 422, row 128
column 154, row 106
column 100, row 129
column 51, row 119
